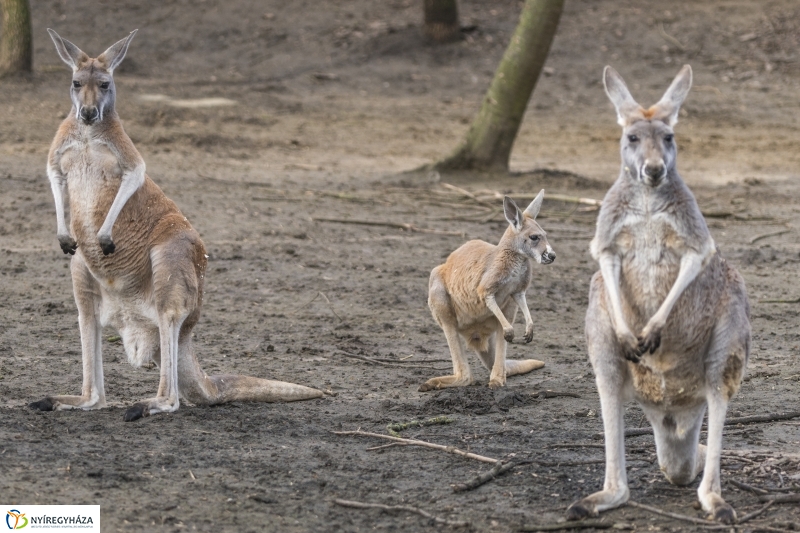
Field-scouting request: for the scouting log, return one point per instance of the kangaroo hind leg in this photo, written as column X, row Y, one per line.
column 87, row 298
column 442, row 310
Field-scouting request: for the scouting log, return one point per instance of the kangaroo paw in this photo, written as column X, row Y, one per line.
column 45, row 404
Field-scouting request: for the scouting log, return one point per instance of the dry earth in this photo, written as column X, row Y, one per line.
column 325, row 103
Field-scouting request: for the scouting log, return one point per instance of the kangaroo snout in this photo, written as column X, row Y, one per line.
column 89, row 114
column 654, row 170
column 548, row 257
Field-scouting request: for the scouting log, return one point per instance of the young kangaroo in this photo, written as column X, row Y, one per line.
column 480, row 285
column 147, row 282
column 668, row 322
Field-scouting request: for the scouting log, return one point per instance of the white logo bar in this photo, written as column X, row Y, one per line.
column 47, row 518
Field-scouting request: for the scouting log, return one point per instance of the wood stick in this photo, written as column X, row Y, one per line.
column 578, row 524
column 755, row 513
column 465, row 193
column 393, row 508
column 415, row 442
column 553, row 394
column 400, row 225
column 669, row 38
column 383, row 363
column 753, row 419
column 770, row 234
column 570, row 463
column 676, row 516
column 751, row 488
column 780, row 498
column 498, row 470
column 331, row 306
column 780, row 301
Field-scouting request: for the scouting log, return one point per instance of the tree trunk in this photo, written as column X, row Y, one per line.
column 492, row 133
column 16, row 41
column 441, row 21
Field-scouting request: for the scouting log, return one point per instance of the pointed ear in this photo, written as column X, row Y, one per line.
column 112, row 57
column 620, row 96
column 512, row 213
column 670, row 104
column 533, row 209
column 69, row 53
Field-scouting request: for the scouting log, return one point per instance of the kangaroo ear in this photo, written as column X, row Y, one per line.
column 512, row 213
column 112, row 57
column 670, row 104
column 627, row 108
column 68, row 52
column 533, row 209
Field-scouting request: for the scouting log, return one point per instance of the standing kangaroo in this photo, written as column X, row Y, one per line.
column 668, row 322
column 481, row 284
column 146, row 282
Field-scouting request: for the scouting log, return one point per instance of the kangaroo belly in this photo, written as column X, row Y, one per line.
column 136, row 321
column 668, row 380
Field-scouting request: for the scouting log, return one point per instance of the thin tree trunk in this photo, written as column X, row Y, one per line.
column 492, row 133
column 441, row 21
column 16, row 41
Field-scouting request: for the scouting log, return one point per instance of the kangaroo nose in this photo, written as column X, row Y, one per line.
column 654, row 171
column 89, row 113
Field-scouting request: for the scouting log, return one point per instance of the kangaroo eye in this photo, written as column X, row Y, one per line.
column 76, row 84
column 668, row 138
column 633, row 138
column 104, row 85
column 535, row 238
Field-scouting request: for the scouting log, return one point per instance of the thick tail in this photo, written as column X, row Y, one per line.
column 231, row 388
column 523, row 366
column 200, row 389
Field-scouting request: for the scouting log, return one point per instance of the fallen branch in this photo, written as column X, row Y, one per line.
column 570, row 463
column 498, row 470
column 400, row 225
column 396, row 428
column 669, row 38
column 754, row 419
column 464, row 192
column 415, row 442
column 319, row 293
column 676, row 516
column 751, row 488
column 394, row 508
column 780, row 498
column 770, row 234
column 553, row 394
column 755, row 513
column 780, row 301
column 578, row 524
column 384, row 363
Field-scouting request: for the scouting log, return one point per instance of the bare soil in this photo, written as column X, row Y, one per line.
column 328, row 103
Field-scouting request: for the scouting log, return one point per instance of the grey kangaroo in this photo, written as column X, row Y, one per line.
column 146, row 282
column 668, row 322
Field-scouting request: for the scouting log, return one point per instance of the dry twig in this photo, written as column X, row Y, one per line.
column 382, row 362
column 498, row 470
column 415, row 442
column 770, row 234
column 753, row 419
column 394, row 508
column 676, row 516
column 400, row 225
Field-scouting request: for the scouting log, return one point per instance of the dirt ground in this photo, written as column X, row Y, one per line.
column 258, row 116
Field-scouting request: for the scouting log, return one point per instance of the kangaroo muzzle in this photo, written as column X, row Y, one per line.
column 653, row 172
column 89, row 114
column 548, row 257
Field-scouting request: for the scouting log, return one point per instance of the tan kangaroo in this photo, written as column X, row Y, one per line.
column 668, row 322
column 481, row 284
column 146, row 282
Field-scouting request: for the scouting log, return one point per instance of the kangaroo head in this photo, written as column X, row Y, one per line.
column 528, row 237
column 648, row 147
column 92, row 92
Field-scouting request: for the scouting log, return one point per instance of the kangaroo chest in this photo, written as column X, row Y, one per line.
column 650, row 249
column 93, row 178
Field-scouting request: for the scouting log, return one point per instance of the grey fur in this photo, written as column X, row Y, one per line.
column 668, row 319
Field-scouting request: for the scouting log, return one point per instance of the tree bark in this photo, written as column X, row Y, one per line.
column 491, row 136
column 441, row 21
column 16, row 41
